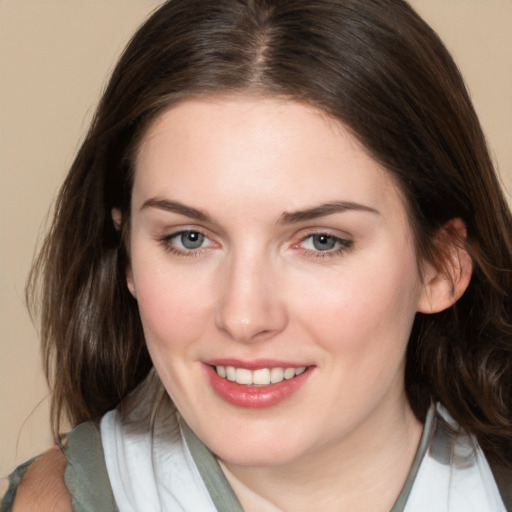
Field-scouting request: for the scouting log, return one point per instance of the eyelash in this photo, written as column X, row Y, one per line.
column 342, row 245
column 169, row 246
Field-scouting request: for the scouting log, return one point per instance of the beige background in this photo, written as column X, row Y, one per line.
column 54, row 57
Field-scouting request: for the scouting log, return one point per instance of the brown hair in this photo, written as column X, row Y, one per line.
column 372, row 64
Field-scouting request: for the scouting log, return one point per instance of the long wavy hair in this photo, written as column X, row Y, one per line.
column 379, row 69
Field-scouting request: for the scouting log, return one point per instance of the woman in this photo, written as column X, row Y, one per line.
column 278, row 274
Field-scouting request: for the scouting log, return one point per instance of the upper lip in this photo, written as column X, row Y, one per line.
column 255, row 364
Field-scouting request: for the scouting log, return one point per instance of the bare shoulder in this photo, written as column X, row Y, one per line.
column 42, row 488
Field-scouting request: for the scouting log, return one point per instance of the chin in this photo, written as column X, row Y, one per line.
column 244, row 447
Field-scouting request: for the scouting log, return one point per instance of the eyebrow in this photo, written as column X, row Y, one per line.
column 176, row 207
column 324, row 210
column 286, row 217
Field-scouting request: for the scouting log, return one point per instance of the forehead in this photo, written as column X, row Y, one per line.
column 257, row 149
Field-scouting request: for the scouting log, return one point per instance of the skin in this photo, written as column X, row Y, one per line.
column 43, row 488
column 258, row 287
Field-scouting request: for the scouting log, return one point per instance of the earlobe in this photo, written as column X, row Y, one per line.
column 443, row 285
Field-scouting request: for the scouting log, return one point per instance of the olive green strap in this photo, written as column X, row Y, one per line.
column 214, row 479
column 86, row 474
column 15, row 479
column 224, row 498
column 426, row 438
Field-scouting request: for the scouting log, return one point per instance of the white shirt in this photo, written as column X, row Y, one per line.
column 153, row 469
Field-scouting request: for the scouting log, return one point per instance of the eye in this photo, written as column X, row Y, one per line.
column 324, row 244
column 188, row 240
column 321, row 242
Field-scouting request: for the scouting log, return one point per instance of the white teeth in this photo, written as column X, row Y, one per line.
column 243, row 376
column 230, row 373
column 276, row 375
column 289, row 373
column 260, row 377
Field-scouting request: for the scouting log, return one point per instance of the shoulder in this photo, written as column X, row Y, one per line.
column 43, row 487
column 63, row 477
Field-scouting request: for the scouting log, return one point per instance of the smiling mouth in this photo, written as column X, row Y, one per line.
column 259, row 377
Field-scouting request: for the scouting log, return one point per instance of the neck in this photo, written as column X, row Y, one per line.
column 365, row 471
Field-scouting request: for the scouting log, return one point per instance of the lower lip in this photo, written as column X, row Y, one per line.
column 255, row 397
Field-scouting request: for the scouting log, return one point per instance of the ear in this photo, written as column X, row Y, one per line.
column 130, row 282
column 117, row 219
column 444, row 284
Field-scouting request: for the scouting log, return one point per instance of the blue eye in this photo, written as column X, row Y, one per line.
column 325, row 243
column 187, row 243
column 189, row 240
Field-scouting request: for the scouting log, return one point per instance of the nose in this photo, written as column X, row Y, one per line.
column 251, row 305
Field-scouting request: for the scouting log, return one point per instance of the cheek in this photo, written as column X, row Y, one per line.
column 365, row 311
column 173, row 307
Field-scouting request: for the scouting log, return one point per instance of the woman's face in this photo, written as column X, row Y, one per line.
column 268, row 247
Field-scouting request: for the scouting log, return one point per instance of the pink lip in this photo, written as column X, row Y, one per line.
column 240, row 395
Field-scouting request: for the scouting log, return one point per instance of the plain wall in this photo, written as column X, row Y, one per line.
column 54, row 59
